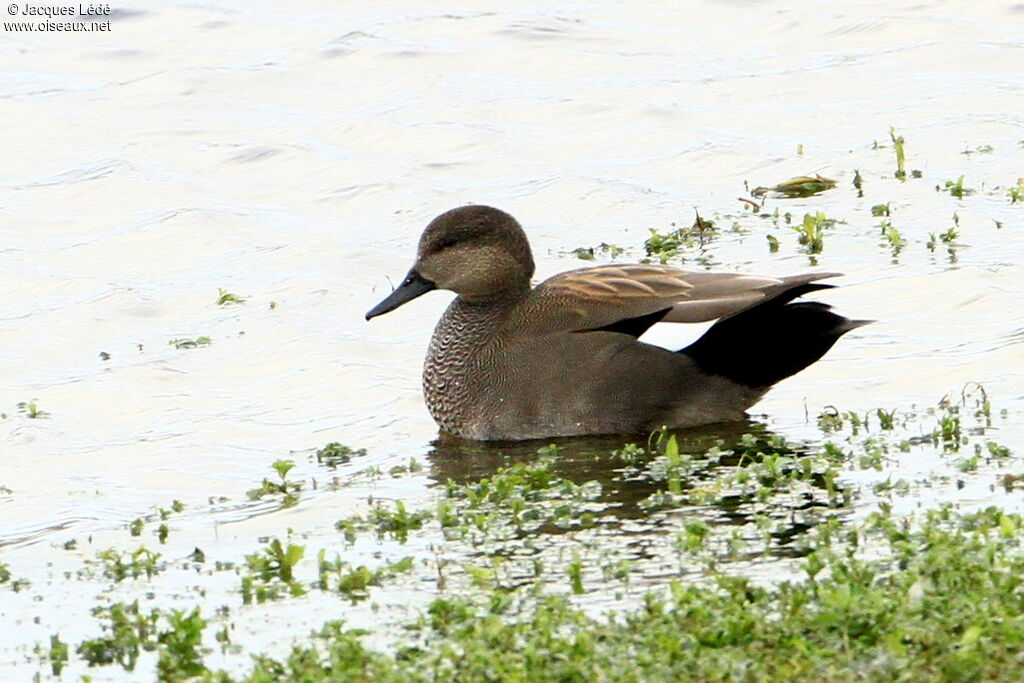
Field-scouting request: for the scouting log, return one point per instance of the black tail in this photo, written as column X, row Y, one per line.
column 772, row 340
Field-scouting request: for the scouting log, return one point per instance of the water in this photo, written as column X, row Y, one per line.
column 293, row 157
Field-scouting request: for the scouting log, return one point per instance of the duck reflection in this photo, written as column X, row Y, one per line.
column 627, row 487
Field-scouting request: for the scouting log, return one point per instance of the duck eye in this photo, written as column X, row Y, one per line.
column 447, row 242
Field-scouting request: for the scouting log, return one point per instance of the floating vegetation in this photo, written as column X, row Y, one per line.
column 57, row 654
column 667, row 246
column 510, row 557
column 811, row 231
column 396, row 523
column 272, row 572
column 175, row 635
column 355, row 582
column 137, row 525
column 118, row 565
column 1016, row 194
column 956, row 188
column 893, row 239
column 287, row 489
column 591, row 253
column 980, row 149
column 185, row 343
column 947, row 238
column 334, row 454
column 31, row 410
column 225, row 298
column 801, row 186
column 901, row 155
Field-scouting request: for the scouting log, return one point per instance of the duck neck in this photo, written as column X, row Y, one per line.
column 496, row 298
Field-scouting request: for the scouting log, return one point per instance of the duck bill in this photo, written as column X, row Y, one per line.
column 412, row 286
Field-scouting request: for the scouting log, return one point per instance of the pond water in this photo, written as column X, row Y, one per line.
column 292, row 157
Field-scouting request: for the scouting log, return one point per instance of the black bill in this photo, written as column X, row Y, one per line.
column 412, row 286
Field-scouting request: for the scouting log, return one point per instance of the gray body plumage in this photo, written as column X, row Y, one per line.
column 482, row 380
column 511, row 361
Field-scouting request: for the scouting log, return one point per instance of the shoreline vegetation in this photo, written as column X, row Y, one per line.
column 858, row 590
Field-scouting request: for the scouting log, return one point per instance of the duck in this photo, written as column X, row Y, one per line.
column 510, row 361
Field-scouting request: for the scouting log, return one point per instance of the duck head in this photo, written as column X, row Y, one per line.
column 478, row 252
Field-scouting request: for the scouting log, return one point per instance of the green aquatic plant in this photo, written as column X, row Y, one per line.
column 515, row 499
column 355, row 582
column 136, row 526
column 886, row 418
column 272, row 572
column 31, row 410
column 284, row 487
column 811, row 231
column 948, row 237
column 57, row 654
column 118, row 565
column 998, row 451
column 175, row 635
column 940, row 599
column 893, row 239
column 412, row 467
column 1016, row 193
column 129, row 630
column 396, row 523
column 575, row 573
column 801, row 186
column 956, row 188
column 630, row 453
column 590, row 253
column 180, row 646
column 669, row 245
column 334, row 454
column 901, row 156
column 224, row 298
column 980, row 149
column 932, row 596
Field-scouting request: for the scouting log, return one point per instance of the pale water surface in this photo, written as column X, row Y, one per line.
column 292, row 155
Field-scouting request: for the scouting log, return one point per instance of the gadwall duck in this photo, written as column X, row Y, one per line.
column 509, row 361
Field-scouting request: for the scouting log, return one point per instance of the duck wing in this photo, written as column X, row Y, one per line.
column 630, row 298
